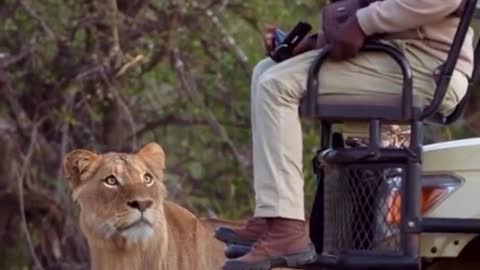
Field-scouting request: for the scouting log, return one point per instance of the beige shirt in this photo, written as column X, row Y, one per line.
column 430, row 18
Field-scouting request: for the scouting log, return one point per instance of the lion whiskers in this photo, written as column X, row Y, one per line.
column 108, row 227
column 111, row 225
column 157, row 216
column 134, row 234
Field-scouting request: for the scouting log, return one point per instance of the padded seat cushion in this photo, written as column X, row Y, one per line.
column 356, row 107
column 393, row 101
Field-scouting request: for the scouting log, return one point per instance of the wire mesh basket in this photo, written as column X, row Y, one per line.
column 362, row 207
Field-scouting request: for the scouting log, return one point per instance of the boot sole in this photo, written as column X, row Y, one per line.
column 233, row 251
column 227, row 236
column 306, row 257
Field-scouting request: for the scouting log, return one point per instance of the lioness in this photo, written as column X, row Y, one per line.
column 127, row 221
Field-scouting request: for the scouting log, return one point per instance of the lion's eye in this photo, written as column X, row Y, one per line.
column 111, row 181
column 148, row 179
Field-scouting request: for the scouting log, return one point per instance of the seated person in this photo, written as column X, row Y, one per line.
column 278, row 228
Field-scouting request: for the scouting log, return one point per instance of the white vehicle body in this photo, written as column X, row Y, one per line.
column 459, row 159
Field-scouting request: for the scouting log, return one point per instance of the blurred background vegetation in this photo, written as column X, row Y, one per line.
column 113, row 75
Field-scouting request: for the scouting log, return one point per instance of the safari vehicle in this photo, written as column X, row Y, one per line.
column 395, row 208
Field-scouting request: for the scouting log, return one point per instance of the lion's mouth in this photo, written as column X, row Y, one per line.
column 139, row 222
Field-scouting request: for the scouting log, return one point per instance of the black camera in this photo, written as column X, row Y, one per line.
column 285, row 43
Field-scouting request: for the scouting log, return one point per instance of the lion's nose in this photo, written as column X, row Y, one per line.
column 140, row 205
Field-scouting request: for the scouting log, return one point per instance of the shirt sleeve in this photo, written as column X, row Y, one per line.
column 391, row 16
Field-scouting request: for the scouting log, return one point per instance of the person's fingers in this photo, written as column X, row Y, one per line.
column 307, row 44
column 321, row 41
column 301, row 47
column 270, row 28
column 269, row 37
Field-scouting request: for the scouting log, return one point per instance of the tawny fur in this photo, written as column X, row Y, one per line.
column 179, row 240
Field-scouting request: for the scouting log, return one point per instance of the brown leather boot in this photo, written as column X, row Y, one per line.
column 286, row 244
column 245, row 236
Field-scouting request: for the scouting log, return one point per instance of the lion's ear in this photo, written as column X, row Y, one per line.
column 153, row 155
column 75, row 164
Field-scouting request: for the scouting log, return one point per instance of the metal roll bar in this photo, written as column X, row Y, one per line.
column 450, row 64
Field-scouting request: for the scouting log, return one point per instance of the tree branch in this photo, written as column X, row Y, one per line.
column 188, row 84
column 26, row 5
column 21, row 203
column 116, row 39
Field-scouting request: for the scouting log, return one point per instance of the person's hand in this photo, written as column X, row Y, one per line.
column 307, row 44
column 348, row 40
column 321, row 41
column 269, row 38
column 342, row 30
column 312, row 42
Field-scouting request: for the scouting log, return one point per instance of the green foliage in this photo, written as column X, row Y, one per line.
column 64, row 69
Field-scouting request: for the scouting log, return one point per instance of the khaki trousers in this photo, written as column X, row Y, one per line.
column 276, row 129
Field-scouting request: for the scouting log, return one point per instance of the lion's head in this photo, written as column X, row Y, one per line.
column 120, row 195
